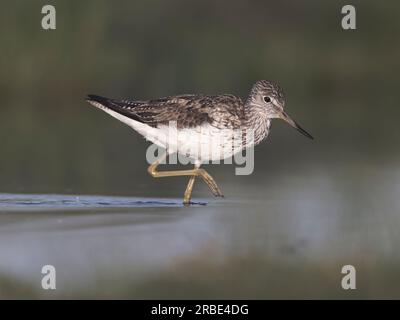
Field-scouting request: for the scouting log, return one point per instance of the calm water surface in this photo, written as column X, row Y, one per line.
column 287, row 240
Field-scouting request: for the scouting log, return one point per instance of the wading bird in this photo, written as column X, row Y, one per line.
column 220, row 123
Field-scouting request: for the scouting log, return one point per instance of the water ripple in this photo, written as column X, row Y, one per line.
column 61, row 202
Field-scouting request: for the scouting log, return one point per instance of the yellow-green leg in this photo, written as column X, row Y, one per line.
column 193, row 173
column 188, row 191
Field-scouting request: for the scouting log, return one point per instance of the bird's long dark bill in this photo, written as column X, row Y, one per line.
column 295, row 125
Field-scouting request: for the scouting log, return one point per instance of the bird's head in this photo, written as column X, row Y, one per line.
column 268, row 98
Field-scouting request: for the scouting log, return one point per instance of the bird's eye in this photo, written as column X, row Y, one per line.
column 267, row 99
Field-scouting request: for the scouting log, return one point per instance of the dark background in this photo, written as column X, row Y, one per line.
column 309, row 207
column 340, row 85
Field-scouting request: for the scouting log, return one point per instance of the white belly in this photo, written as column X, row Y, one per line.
column 202, row 143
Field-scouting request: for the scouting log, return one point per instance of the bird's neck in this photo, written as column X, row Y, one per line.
column 258, row 121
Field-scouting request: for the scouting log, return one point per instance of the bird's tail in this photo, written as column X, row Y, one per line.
column 98, row 101
column 123, row 107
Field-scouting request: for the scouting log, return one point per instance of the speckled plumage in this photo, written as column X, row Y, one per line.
column 188, row 110
column 202, row 127
column 210, row 112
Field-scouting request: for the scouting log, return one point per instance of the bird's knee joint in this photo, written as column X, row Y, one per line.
column 152, row 171
column 200, row 172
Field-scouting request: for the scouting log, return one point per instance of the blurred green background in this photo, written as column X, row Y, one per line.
column 341, row 86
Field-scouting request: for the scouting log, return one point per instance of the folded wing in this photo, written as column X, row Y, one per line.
column 221, row 111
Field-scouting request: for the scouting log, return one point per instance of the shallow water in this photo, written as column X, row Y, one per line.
column 289, row 239
column 64, row 202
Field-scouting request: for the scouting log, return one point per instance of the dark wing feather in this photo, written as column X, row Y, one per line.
column 221, row 111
